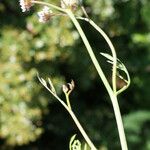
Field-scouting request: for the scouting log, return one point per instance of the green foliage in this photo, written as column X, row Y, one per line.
column 28, row 47
column 76, row 144
column 120, row 67
column 136, row 124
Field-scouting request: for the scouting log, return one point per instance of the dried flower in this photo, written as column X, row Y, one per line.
column 71, row 85
column 67, row 89
column 45, row 15
column 26, row 5
column 72, row 4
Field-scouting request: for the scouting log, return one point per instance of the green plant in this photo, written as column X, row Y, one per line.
column 67, row 9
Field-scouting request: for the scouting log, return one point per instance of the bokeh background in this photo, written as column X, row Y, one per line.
column 30, row 118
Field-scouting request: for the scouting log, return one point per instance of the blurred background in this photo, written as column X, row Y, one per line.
column 30, row 118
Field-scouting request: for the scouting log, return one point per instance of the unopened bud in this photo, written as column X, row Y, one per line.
column 65, row 89
column 71, row 85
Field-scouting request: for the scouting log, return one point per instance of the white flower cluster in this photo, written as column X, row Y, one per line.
column 69, row 4
column 26, row 5
column 45, row 15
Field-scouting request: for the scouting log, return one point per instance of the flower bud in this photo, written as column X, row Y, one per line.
column 71, row 85
column 65, row 89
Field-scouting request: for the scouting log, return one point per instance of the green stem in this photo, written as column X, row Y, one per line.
column 89, row 49
column 87, row 139
column 50, row 5
column 75, row 119
column 113, row 51
column 127, row 82
column 102, row 76
column 68, row 101
column 106, row 84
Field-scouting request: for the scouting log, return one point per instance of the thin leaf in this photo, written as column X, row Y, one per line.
column 85, row 146
column 109, row 57
column 51, row 86
column 121, row 77
column 43, row 82
column 71, row 141
column 74, row 144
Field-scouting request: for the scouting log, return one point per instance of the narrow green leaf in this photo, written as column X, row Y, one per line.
column 71, row 141
column 51, row 86
column 109, row 57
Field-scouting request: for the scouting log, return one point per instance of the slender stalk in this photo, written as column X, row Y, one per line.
column 68, row 101
column 110, row 46
column 82, row 131
column 127, row 82
column 84, row 134
column 102, row 76
column 90, row 51
column 50, row 5
column 112, row 50
column 68, row 108
column 106, row 84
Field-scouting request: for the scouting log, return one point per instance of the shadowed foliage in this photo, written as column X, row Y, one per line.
column 30, row 118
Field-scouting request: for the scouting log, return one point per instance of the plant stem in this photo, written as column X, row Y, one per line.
column 112, row 50
column 127, row 82
column 84, row 134
column 89, row 49
column 110, row 46
column 68, row 101
column 105, row 82
column 87, row 139
column 111, row 93
column 50, row 5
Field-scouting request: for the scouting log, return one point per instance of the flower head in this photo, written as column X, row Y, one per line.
column 26, row 5
column 45, row 15
column 72, row 4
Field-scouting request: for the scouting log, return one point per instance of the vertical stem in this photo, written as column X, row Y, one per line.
column 90, row 51
column 112, row 50
column 111, row 93
column 82, row 131
column 68, row 101
column 48, row 4
column 75, row 119
column 102, row 76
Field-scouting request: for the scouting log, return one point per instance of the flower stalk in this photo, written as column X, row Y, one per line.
column 69, row 110
column 112, row 91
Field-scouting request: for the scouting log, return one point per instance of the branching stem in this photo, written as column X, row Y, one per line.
column 75, row 119
column 111, row 93
column 50, row 5
column 68, row 100
column 113, row 51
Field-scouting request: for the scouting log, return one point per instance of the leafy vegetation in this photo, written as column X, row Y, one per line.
column 30, row 118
